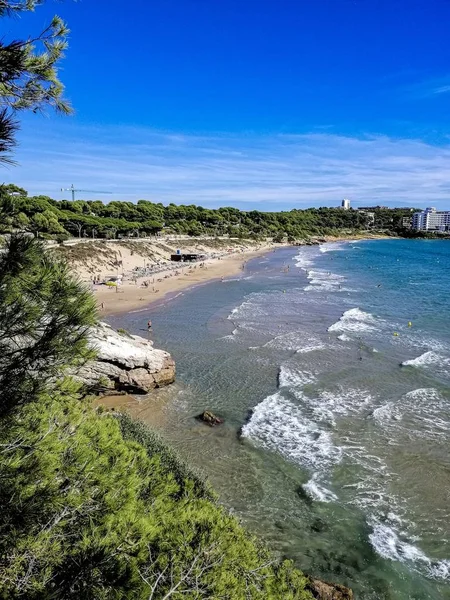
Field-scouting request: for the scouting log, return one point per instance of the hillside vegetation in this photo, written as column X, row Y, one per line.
column 46, row 217
column 94, row 506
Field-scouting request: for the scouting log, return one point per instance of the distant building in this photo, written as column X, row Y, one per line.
column 345, row 204
column 407, row 222
column 372, row 207
column 370, row 216
column 431, row 219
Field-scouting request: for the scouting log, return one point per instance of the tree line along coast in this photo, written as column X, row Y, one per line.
column 62, row 219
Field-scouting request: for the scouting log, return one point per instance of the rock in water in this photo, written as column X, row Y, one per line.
column 328, row 591
column 210, row 418
column 125, row 362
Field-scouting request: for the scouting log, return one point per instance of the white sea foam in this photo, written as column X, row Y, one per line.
column 328, row 405
column 231, row 336
column 332, row 246
column 355, row 320
column 440, row 569
column 423, row 411
column 251, row 308
column 311, row 348
column 390, row 544
column 278, row 424
column 319, row 276
column 294, row 378
column 228, row 279
column 303, row 260
column 386, row 412
column 391, row 535
column 344, row 338
column 325, row 281
column 427, row 359
column 294, row 341
column 317, row 491
column 346, row 401
column 421, row 394
column 284, row 341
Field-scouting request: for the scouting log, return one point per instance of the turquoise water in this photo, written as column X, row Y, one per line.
column 336, row 442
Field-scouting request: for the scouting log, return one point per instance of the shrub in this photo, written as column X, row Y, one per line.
column 94, row 505
column 154, row 445
column 124, row 332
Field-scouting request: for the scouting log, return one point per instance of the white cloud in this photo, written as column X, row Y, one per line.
column 260, row 171
column 444, row 89
column 427, row 88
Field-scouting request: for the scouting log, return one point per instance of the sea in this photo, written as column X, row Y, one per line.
column 330, row 365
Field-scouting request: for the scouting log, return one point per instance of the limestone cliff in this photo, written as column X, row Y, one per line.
column 126, row 362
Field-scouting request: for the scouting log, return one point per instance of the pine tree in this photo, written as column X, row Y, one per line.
column 28, row 73
column 93, row 507
column 45, row 315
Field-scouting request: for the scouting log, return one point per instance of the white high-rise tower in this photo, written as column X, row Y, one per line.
column 345, row 204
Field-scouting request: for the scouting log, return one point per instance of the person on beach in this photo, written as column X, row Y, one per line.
column 149, row 326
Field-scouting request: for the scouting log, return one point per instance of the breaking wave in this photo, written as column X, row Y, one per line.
column 316, row 491
column 294, row 378
column 420, row 413
column 325, row 281
column 279, row 425
column 303, row 261
column 390, row 544
column 426, row 359
column 332, row 247
column 354, row 320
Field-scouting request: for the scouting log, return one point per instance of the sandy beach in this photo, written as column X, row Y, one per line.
column 133, row 294
column 141, row 287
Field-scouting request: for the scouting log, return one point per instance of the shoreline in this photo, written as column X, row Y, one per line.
column 166, row 284
column 157, row 414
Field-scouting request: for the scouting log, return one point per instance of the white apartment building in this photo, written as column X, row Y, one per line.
column 431, row 219
column 345, row 204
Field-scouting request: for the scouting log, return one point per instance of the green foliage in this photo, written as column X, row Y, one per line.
column 278, row 238
column 44, row 318
column 94, row 505
column 124, row 332
column 154, row 445
column 92, row 515
column 10, row 7
column 8, row 130
column 121, row 219
column 28, row 73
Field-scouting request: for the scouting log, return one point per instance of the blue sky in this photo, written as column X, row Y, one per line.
column 269, row 104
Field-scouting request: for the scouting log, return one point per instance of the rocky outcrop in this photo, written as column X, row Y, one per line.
column 328, row 591
column 210, row 418
column 125, row 362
